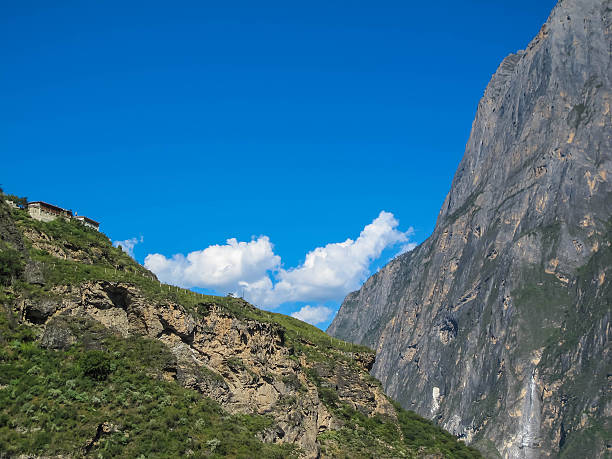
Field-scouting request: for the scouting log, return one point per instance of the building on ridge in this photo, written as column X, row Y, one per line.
column 88, row 222
column 46, row 212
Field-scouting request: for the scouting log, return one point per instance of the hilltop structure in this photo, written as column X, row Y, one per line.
column 88, row 222
column 11, row 204
column 45, row 212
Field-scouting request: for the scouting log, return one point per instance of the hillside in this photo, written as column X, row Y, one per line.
column 498, row 325
column 99, row 358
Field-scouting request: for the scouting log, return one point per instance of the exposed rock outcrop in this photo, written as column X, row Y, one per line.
column 498, row 325
column 242, row 364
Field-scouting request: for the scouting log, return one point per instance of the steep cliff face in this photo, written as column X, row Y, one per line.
column 242, row 364
column 185, row 375
column 498, row 325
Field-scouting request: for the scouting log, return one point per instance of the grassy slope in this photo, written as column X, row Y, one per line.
column 48, row 405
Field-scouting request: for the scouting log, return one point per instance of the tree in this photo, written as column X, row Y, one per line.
column 95, row 365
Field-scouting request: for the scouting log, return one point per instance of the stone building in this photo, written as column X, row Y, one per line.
column 11, row 204
column 88, row 222
column 46, row 212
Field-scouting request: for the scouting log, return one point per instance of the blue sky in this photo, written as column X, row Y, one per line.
column 286, row 126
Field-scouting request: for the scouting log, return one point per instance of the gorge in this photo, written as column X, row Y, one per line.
column 498, row 325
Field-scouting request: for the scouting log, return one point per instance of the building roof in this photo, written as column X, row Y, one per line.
column 87, row 219
column 51, row 206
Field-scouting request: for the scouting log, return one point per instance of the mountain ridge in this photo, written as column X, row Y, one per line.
column 471, row 327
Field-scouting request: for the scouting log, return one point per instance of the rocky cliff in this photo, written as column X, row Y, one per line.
column 97, row 357
column 498, row 325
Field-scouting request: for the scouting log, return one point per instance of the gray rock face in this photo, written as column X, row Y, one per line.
column 58, row 335
column 498, row 325
column 37, row 311
column 33, row 273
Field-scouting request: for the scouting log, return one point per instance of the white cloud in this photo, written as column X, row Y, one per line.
column 218, row 267
column 313, row 315
column 128, row 245
column 328, row 273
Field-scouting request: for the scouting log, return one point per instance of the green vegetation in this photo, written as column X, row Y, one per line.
column 50, row 404
column 594, row 438
column 588, row 305
column 511, row 196
column 11, row 264
column 211, row 375
column 487, row 448
column 302, row 337
column 102, row 261
column 21, row 202
column 468, row 205
column 292, row 381
column 588, row 300
column 95, row 365
column 70, row 236
column 410, row 436
column 382, row 436
column 109, row 396
column 541, row 301
column 577, row 115
column 550, row 236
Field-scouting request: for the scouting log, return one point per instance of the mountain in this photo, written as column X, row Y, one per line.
column 498, row 325
column 98, row 358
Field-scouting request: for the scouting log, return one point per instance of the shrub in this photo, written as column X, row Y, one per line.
column 11, row 265
column 95, row 365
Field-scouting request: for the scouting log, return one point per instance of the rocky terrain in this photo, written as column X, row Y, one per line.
column 498, row 325
column 97, row 357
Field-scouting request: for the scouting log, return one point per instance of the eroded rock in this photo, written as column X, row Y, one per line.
column 243, row 364
column 514, row 268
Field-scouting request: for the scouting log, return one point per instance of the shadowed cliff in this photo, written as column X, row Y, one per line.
column 498, row 325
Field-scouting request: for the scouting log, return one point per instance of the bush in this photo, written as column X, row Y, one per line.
column 11, row 265
column 95, row 365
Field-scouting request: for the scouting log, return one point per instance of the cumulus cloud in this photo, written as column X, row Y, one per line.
column 218, row 267
column 128, row 245
column 313, row 315
column 328, row 273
